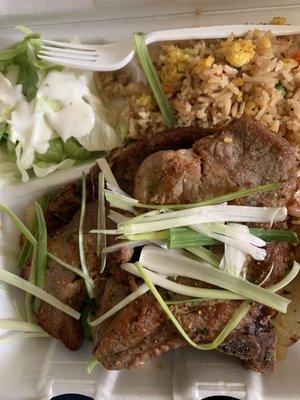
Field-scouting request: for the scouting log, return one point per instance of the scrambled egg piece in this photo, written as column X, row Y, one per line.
column 251, row 108
column 146, row 101
column 238, row 52
column 203, row 64
column 279, row 21
column 265, row 42
column 176, row 63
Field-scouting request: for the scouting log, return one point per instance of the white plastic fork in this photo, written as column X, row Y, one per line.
column 113, row 56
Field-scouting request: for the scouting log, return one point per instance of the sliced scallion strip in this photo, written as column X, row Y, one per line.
column 149, row 236
column 129, row 244
column 153, row 80
column 287, row 279
column 105, row 168
column 217, row 199
column 75, row 270
column 89, row 287
column 101, row 221
column 23, row 335
column 12, row 279
column 91, row 365
column 126, row 202
column 32, row 279
column 205, row 255
column 41, row 269
column 123, row 303
column 184, row 301
column 185, row 237
column 29, row 236
column 185, row 290
column 19, row 326
column 26, row 249
column 170, row 263
column 236, row 318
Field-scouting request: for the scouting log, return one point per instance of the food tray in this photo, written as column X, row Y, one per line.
column 42, row 368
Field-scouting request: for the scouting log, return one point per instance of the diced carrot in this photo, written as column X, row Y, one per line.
column 168, row 88
column 296, row 56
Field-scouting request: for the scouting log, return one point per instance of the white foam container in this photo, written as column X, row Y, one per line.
column 42, row 368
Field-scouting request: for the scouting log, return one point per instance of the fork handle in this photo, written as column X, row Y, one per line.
column 217, row 32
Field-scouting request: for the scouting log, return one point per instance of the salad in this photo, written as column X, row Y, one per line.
column 50, row 117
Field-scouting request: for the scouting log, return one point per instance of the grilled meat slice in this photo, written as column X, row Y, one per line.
column 65, row 285
column 125, row 162
column 243, row 154
column 141, row 330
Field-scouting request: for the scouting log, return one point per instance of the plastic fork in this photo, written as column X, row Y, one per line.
column 113, row 56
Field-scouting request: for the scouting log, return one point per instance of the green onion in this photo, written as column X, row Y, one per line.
column 29, row 236
column 149, row 236
column 27, row 246
column 185, row 237
column 101, row 221
column 42, row 253
column 75, row 270
column 14, row 280
column 238, row 315
column 172, row 263
column 184, row 301
column 185, row 290
column 276, row 235
column 32, row 279
column 280, row 88
column 153, row 80
column 107, row 172
column 205, row 254
column 217, row 199
column 123, row 303
column 89, row 287
column 19, row 326
column 91, row 365
column 23, row 335
column 287, row 279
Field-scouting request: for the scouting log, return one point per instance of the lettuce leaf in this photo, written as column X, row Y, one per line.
column 24, row 55
column 8, row 167
column 55, row 154
column 4, row 131
column 42, row 169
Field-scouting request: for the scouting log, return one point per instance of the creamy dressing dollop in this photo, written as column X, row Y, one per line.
column 35, row 125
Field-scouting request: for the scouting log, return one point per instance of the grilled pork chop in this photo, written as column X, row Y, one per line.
column 141, row 331
column 242, row 155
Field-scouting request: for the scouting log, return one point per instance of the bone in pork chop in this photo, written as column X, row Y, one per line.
column 242, row 155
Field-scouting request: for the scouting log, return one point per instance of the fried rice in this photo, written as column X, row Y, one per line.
column 210, row 82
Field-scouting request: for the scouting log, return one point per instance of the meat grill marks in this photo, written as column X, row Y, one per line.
column 243, row 154
column 62, row 283
column 141, row 330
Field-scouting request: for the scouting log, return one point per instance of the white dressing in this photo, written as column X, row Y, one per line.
column 76, row 117
column 9, row 96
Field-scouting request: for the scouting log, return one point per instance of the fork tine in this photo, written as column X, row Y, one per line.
column 89, row 65
column 70, row 45
column 68, row 56
column 70, row 51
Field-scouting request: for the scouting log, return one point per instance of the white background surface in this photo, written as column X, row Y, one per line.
column 42, row 368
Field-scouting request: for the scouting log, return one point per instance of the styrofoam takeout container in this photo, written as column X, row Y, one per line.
column 42, row 368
